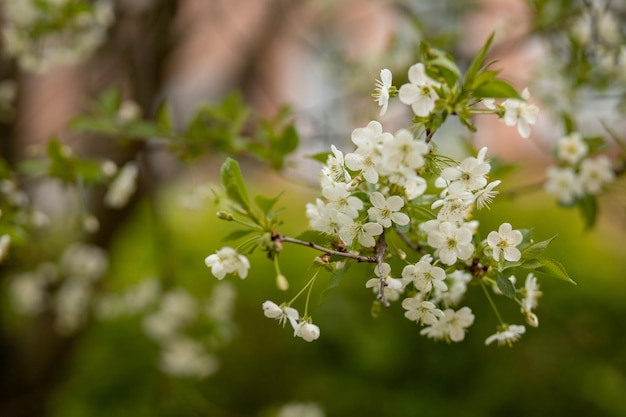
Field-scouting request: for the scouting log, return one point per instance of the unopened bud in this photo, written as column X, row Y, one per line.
column 224, row 215
column 531, row 318
column 401, row 254
column 281, row 282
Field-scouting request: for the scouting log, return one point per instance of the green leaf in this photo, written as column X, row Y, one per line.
column 551, row 268
column 335, row 279
column 320, row 157
column 536, row 250
column 234, row 185
column 506, row 286
column 313, row 237
column 477, row 62
column 496, row 89
column 266, row 204
column 237, row 234
column 588, row 206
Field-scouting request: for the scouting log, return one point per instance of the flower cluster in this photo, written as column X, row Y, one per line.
column 578, row 174
column 44, row 34
column 396, row 203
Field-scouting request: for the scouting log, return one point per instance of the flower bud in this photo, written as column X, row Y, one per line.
column 531, row 318
column 272, row 310
column 308, row 331
column 224, row 215
column 281, row 282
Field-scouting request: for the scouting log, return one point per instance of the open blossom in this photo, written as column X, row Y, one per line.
column 420, row 311
column 386, row 211
column 520, row 113
column 508, row 335
column 420, row 92
column 452, row 242
column 366, row 158
column 531, row 292
column 564, row 184
column 451, row 326
column 595, row 173
column 340, row 199
column 485, row 196
column 469, row 175
column 382, row 90
column 393, row 286
column 226, row 261
column 335, row 168
column 572, row 148
column 363, row 232
column 404, row 152
column 505, row 241
column 281, row 313
column 425, row 276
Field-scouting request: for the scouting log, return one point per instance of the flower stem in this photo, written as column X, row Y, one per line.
column 493, row 305
column 359, row 258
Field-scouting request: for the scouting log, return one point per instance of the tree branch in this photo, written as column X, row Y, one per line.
column 358, row 258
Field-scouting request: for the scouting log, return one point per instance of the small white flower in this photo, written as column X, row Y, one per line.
column 595, row 173
column 340, row 199
column 335, row 168
column 425, row 276
column 572, row 148
column 468, row 176
column 387, row 210
column 485, row 196
column 226, row 261
column 509, row 334
column 122, row 187
column 404, row 152
column 281, row 313
column 505, row 240
column 452, row 242
column 308, row 331
column 382, row 90
column 531, row 293
column 393, row 287
column 420, row 92
column 421, row 312
column 451, row 326
column 520, row 113
column 363, row 232
column 564, row 184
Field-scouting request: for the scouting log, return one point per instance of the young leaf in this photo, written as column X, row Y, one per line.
column 496, row 89
column 477, row 62
column 551, row 268
column 266, row 204
column 237, row 234
column 588, row 206
column 536, row 249
column 506, row 286
column 233, row 184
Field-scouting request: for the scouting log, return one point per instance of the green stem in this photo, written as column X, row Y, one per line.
column 493, row 305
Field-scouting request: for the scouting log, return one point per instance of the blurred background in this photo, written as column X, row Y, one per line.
column 122, row 318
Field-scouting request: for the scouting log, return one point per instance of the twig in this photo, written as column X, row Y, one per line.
column 359, row 258
column 381, row 248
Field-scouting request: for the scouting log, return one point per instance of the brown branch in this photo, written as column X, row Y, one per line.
column 358, row 258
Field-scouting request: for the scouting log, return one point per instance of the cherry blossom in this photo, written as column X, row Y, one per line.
column 420, row 92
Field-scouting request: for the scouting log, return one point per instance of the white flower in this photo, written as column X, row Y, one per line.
column 364, row 233
column 505, row 240
column 393, row 287
column 420, row 92
column 454, row 208
column 404, row 152
column 595, row 173
column 509, row 334
column 183, row 357
column 425, row 276
column 322, row 218
column 452, row 242
column 122, row 187
column 340, row 199
column 227, row 260
column 564, row 184
column 367, row 156
column 572, row 148
column 485, row 196
column 531, row 293
column 469, row 175
column 386, row 211
column 281, row 313
column 451, row 326
column 520, row 113
column 382, row 90
column 335, row 169
column 308, row 331
column 421, row 312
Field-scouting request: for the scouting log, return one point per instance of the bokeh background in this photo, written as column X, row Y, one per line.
column 321, row 57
